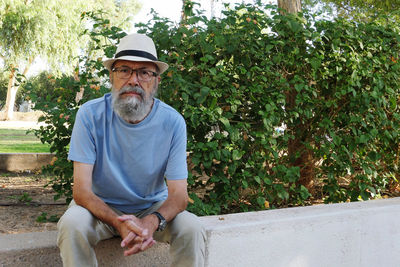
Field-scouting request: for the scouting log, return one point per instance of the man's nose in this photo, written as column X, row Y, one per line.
column 134, row 80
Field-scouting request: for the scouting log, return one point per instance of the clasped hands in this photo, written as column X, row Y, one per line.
column 136, row 234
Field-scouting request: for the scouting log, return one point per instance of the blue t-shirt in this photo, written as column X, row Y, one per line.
column 130, row 160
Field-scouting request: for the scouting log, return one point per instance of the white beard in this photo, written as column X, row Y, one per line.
column 132, row 108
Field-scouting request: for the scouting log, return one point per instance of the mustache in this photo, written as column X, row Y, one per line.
column 130, row 89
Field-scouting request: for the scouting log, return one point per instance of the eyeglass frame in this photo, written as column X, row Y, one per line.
column 153, row 73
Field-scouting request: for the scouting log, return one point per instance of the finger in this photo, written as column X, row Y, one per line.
column 131, row 221
column 135, row 249
column 147, row 244
column 131, row 240
column 138, row 239
column 145, row 232
column 128, row 239
column 136, row 228
column 152, row 244
column 125, row 217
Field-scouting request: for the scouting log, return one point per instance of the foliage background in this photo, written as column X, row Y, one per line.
column 280, row 110
column 51, row 30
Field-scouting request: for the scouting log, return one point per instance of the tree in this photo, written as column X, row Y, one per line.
column 187, row 10
column 50, row 29
column 300, row 155
column 3, row 87
column 230, row 77
column 290, row 6
column 365, row 10
column 366, row 6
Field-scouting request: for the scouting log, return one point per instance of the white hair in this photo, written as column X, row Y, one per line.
column 133, row 109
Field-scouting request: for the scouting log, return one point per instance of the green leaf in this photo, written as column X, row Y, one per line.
column 261, row 201
column 236, row 155
column 283, row 195
column 304, row 193
column 315, row 63
column 225, row 122
column 294, row 26
column 374, row 156
column 363, row 139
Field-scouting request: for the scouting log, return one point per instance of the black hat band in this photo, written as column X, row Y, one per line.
column 136, row 53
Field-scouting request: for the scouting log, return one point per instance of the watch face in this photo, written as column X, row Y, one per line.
column 163, row 224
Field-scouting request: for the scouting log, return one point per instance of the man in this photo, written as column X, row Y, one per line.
column 123, row 145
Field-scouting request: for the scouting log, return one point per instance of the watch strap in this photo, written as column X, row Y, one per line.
column 162, row 220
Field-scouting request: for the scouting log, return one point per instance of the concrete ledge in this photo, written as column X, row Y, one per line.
column 24, row 161
column 346, row 235
column 39, row 249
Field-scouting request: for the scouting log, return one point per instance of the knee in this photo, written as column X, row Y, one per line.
column 75, row 219
column 188, row 226
column 187, row 240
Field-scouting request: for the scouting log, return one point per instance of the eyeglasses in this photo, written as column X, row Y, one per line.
column 125, row 73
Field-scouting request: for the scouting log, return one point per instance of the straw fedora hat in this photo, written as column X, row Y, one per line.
column 136, row 47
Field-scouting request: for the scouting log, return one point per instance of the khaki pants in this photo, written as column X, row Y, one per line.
column 79, row 231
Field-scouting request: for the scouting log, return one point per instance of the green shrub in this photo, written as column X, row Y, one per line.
column 61, row 105
column 280, row 110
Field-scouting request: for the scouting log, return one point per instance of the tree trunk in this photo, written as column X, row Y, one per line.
column 11, row 93
column 183, row 14
column 300, row 155
column 79, row 95
column 212, row 8
column 187, row 11
column 290, row 6
column 12, row 90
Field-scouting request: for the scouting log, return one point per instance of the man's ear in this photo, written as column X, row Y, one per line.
column 159, row 78
column 111, row 77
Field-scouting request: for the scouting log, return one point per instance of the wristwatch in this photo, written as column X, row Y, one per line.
column 163, row 222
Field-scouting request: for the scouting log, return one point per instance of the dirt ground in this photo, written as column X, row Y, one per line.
column 22, row 120
column 25, row 205
column 23, row 116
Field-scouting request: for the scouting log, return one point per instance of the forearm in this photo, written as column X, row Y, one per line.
column 172, row 206
column 177, row 199
column 96, row 206
column 84, row 196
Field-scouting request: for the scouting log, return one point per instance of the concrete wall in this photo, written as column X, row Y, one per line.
column 346, row 235
column 24, row 161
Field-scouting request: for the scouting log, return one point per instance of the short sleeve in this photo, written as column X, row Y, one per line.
column 177, row 165
column 82, row 145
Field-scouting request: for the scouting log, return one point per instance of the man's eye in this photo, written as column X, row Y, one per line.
column 144, row 72
column 124, row 70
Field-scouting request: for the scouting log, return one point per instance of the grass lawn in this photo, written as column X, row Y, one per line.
column 18, row 141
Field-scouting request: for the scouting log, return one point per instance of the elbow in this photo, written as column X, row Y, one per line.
column 78, row 196
column 180, row 201
column 185, row 203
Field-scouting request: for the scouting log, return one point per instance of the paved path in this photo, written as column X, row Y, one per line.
column 20, row 125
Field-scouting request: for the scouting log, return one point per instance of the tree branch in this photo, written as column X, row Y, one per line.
column 28, row 65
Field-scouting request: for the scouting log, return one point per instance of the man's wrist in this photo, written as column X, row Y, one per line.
column 162, row 223
column 154, row 222
column 116, row 223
